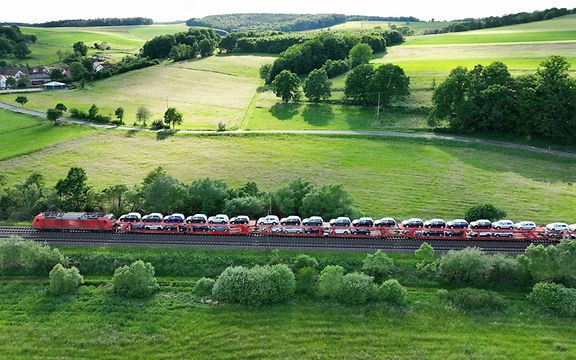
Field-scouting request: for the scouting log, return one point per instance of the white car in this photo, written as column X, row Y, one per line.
column 154, row 217
column 572, row 229
column 269, row 220
column 153, row 227
column 557, row 226
column 525, row 225
column 503, row 224
column 130, row 217
column 218, row 219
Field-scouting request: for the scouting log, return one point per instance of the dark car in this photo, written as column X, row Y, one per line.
column 385, row 222
column 219, row 228
column 240, row 220
column 457, row 224
column 197, row 219
column 313, row 221
column 413, row 223
column 435, row 224
column 291, row 220
column 200, row 228
column 341, row 221
column 481, row 224
column 363, row 222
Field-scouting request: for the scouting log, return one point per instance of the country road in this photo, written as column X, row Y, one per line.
column 428, row 136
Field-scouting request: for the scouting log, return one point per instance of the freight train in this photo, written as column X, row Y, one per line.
column 311, row 227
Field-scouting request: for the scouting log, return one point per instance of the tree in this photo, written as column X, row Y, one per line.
column 119, row 113
column 114, row 194
column 164, row 194
column 307, row 280
column 450, row 101
column 467, row 266
column 358, row 83
column 78, row 71
column 252, row 206
column 135, row 281
column 303, row 261
column 360, row 54
column 330, row 281
column 142, row 115
column 92, row 112
column 288, row 199
column 21, row 100
column 377, row 265
column 206, row 196
column 23, row 81
column 181, row 52
column 317, row 86
column 64, row 281
column 61, row 107
column 80, row 48
column 328, row 201
column 484, row 211
column 56, row 74
column 53, row 115
column 207, row 47
column 21, row 50
column 73, row 191
column 11, row 82
column 265, row 71
column 172, row 116
column 286, row 86
column 388, row 83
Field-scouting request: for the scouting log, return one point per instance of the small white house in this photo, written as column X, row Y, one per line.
column 2, row 81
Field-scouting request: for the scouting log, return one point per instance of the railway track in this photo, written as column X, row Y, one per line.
column 397, row 244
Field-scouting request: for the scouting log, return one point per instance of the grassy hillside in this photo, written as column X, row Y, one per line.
column 386, row 176
column 207, row 91
column 122, row 39
column 22, row 134
column 174, row 324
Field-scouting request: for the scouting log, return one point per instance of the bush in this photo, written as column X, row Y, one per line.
column 159, row 125
column 64, row 281
column 554, row 298
column 135, row 281
column 467, row 266
column 258, row 285
column 357, row 288
column 427, row 263
column 330, row 281
column 505, row 270
column 392, row 292
column 25, row 257
column 204, row 287
column 303, row 261
column 484, row 211
column 307, row 280
column 469, row 299
column 377, row 265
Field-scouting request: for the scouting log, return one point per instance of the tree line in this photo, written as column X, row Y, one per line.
column 497, row 21
column 160, row 192
column 313, row 53
column 489, row 99
column 266, row 22
column 96, row 22
column 270, row 42
column 14, row 43
column 183, row 45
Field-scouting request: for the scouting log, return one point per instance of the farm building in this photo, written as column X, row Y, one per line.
column 54, row 85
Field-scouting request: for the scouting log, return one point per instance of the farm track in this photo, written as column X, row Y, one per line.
column 400, row 245
column 427, row 136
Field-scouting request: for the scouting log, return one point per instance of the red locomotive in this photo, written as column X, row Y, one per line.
column 74, row 221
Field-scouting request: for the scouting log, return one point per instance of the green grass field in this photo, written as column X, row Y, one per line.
column 207, row 91
column 175, row 323
column 386, row 176
column 122, row 39
column 22, row 134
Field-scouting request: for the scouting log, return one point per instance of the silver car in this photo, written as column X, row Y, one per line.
column 525, row 225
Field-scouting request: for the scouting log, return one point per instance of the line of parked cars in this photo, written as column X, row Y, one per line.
column 344, row 225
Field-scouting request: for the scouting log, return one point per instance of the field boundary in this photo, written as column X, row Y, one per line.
column 426, row 136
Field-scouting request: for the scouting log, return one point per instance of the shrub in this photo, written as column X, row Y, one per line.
column 136, row 280
column 159, row 125
column 555, row 298
column 64, row 281
column 204, row 287
column 377, row 265
column 392, row 292
column 467, row 266
column 303, row 261
column 469, row 299
column 221, row 126
column 25, row 257
column 484, row 211
column 307, row 280
column 427, row 263
column 330, row 281
column 357, row 288
column 258, row 285
column 506, row 270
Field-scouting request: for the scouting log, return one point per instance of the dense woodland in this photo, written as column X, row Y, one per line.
column 489, row 99
column 497, row 21
column 181, row 46
column 97, row 22
column 267, row 22
column 14, row 43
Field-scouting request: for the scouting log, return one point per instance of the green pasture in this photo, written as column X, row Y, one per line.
column 206, row 91
column 386, row 176
column 23, row 134
column 175, row 324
